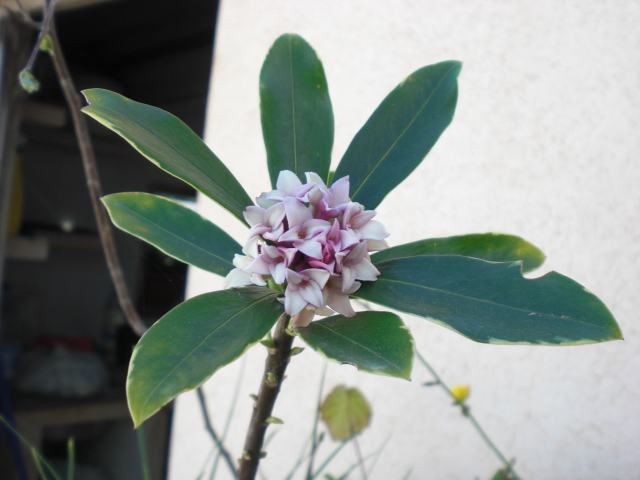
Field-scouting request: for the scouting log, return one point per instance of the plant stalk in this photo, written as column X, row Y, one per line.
column 275, row 367
column 314, row 434
column 214, row 436
column 93, row 183
column 470, row 416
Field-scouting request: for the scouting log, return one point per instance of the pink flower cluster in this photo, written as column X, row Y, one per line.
column 315, row 240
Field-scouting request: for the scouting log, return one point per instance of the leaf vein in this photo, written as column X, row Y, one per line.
column 556, row 317
column 201, row 342
column 366, row 179
column 175, row 236
column 176, row 151
column 362, row 346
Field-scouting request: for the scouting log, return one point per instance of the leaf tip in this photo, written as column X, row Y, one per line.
column 89, row 95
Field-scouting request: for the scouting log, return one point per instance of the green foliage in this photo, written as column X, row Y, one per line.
column 297, row 118
column 401, row 131
column 492, row 302
column 375, row 342
column 175, row 229
column 494, row 247
column 28, row 82
column 346, row 412
column 195, row 339
column 170, row 144
column 472, row 284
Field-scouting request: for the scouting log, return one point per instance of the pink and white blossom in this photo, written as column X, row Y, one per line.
column 304, row 289
column 313, row 239
column 239, row 277
column 288, row 185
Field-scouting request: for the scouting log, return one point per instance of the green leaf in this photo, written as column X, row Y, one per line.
column 400, row 132
column 170, row 144
column 175, row 229
column 492, row 302
column 297, row 118
column 346, row 412
column 375, row 342
column 494, row 247
column 195, row 339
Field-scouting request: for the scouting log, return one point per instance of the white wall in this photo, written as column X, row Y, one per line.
column 544, row 144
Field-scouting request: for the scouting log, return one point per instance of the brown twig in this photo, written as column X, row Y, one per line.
column 274, row 369
column 93, row 183
column 45, row 26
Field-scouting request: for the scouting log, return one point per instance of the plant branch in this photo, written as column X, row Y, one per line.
column 469, row 415
column 356, row 445
column 21, row 17
column 209, row 427
column 45, row 28
column 275, row 366
column 93, row 182
column 23, row 10
column 329, row 459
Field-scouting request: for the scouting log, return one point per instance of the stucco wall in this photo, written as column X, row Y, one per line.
column 544, row 145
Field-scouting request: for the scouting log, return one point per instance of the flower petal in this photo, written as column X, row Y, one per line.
column 237, row 278
column 373, row 230
column 296, row 212
column 348, row 278
column 366, row 271
column 342, row 305
column 253, row 215
column 278, row 272
column 321, row 277
column 340, row 190
column 313, row 177
column 287, row 182
column 311, row 248
column 312, row 293
column 377, row 245
column 293, row 301
column 303, row 319
column 274, row 215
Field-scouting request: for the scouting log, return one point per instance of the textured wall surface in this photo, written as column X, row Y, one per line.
column 544, row 145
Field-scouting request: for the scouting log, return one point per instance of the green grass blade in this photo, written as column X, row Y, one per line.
column 71, row 458
column 38, row 457
column 329, row 459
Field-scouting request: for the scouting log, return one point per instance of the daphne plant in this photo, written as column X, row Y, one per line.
column 313, row 244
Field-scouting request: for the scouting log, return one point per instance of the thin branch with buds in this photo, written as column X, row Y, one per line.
column 274, row 370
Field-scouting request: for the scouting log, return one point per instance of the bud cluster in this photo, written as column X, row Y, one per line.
column 313, row 239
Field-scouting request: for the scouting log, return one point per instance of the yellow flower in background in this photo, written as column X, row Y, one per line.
column 461, row 392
